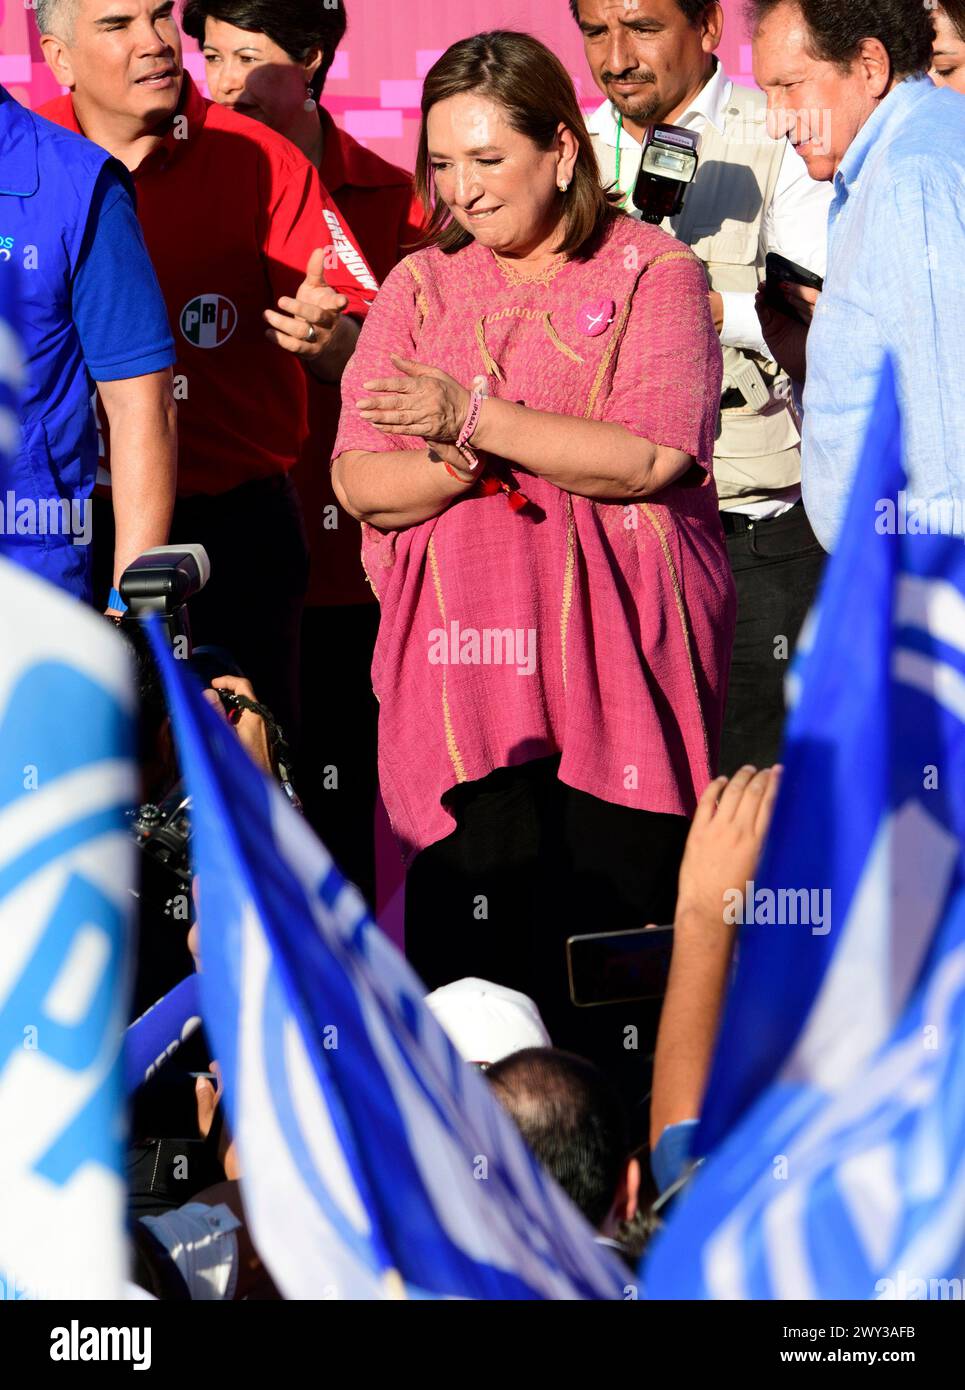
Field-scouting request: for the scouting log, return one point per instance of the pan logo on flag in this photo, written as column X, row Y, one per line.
column 64, row 986
column 208, row 320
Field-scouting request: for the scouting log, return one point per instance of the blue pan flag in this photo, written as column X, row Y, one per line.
column 835, row 1112
column 375, row 1162
column 67, row 866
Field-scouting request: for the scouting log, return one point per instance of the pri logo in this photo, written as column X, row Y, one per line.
column 208, row 320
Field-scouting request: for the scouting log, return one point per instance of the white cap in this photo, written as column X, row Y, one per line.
column 486, row 1022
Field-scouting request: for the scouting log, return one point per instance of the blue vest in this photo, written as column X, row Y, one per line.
column 47, row 181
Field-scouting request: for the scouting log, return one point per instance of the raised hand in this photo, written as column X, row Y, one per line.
column 725, row 841
column 306, row 324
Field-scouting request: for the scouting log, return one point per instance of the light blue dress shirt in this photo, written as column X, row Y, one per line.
column 895, row 283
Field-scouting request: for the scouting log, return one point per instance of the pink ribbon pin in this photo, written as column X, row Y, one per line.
column 595, row 317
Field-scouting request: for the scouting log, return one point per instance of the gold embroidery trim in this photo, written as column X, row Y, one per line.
column 514, row 277
column 515, row 311
column 621, row 326
column 570, row 566
column 518, row 311
column 492, row 367
column 365, row 571
column 568, row 572
column 420, row 287
column 649, row 513
column 557, row 341
column 671, row 256
column 607, row 357
column 455, row 756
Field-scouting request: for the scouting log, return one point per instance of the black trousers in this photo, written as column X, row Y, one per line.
column 337, row 771
column 777, row 565
column 530, row 863
column 252, row 604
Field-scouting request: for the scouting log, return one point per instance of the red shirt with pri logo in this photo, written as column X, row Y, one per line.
column 231, row 214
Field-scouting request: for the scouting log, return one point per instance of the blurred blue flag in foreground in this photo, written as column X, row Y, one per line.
column 67, row 777
column 375, row 1163
column 835, row 1111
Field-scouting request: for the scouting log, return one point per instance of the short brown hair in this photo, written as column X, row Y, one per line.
column 534, row 89
column 837, row 28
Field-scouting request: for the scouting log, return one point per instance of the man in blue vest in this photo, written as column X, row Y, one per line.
column 90, row 313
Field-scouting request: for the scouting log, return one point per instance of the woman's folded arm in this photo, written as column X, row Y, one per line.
column 592, row 458
column 398, row 487
column 602, row 460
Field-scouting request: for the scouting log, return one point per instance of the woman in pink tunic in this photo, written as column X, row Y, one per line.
column 555, row 638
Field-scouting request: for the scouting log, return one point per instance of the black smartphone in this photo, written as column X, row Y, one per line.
column 777, row 269
column 619, row 967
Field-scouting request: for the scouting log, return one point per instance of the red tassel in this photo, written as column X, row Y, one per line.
column 489, row 485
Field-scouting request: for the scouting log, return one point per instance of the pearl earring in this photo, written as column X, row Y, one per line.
column 562, row 185
column 310, row 102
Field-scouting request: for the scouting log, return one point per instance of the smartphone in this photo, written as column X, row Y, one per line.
column 778, row 268
column 619, row 967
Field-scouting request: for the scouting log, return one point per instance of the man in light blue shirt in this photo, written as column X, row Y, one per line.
column 846, row 80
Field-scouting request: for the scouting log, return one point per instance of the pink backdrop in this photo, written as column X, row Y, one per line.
column 373, row 88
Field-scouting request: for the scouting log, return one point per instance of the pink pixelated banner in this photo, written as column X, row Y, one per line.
column 374, row 86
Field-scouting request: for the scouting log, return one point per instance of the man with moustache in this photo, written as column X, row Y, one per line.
column 232, row 215
column 654, row 61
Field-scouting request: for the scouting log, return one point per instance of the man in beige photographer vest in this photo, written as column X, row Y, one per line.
column 654, row 61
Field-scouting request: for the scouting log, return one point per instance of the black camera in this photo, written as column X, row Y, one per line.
column 163, row 831
column 160, row 584
column 667, row 169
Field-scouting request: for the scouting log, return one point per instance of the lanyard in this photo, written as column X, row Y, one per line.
column 623, row 200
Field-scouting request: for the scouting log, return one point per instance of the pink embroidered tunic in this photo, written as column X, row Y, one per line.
column 594, row 630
